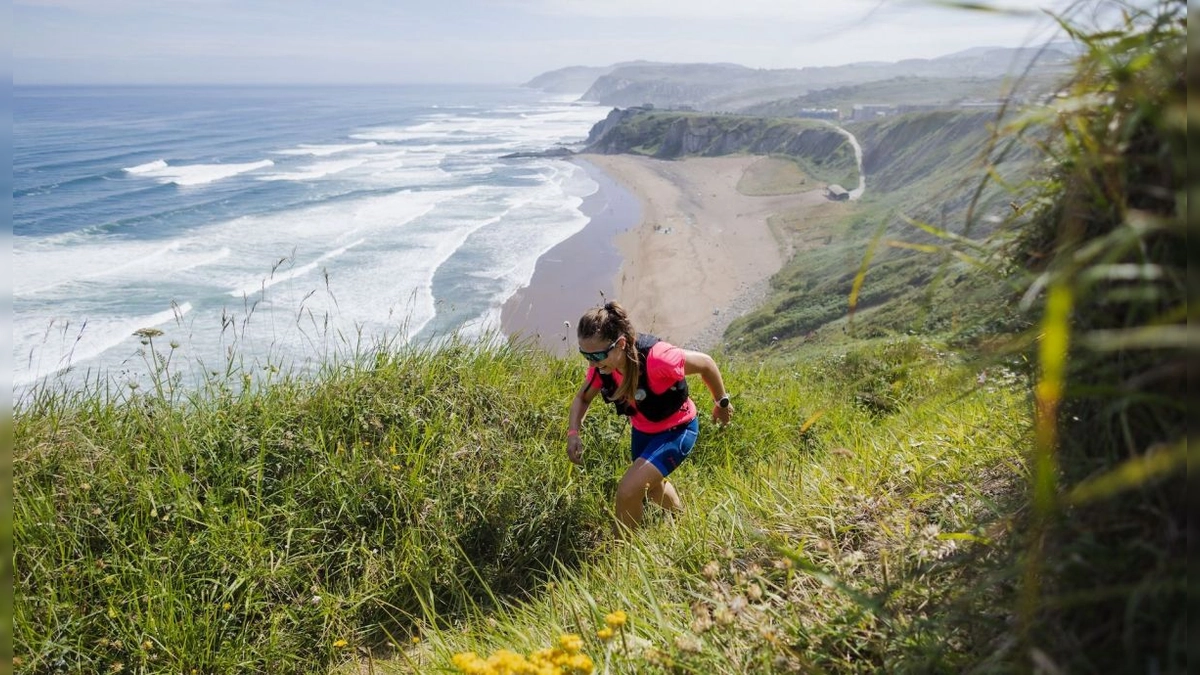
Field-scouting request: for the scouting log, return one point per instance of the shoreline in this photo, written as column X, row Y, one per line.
column 676, row 242
column 577, row 273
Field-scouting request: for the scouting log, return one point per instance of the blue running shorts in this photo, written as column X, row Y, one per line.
column 666, row 449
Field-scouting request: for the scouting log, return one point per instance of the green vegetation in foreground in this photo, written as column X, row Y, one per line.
column 413, row 493
column 249, row 529
column 883, row 502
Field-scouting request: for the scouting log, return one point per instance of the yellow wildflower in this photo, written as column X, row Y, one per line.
column 616, row 619
column 505, row 661
column 471, row 664
column 605, row 633
column 570, row 643
column 339, row 643
column 579, row 663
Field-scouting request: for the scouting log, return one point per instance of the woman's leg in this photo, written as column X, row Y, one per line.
column 665, row 496
column 639, row 480
column 654, row 456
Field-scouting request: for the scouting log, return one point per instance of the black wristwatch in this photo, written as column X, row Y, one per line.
column 724, row 401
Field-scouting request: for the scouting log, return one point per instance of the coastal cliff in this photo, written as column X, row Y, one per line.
column 673, row 134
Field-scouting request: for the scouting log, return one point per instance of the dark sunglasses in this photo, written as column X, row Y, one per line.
column 596, row 357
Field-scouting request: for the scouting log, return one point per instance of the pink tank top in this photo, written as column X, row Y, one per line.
column 664, row 367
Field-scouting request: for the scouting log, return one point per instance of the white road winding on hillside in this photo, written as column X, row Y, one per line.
column 858, row 157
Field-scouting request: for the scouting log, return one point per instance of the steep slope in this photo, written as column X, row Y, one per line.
column 899, row 152
column 669, row 135
column 924, row 167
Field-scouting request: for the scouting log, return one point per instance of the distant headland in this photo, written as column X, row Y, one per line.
column 977, row 78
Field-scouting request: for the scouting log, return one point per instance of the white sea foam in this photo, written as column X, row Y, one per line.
column 405, row 169
column 197, row 174
column 277, row 276
column 147, row 167
column 314, row 171
column 324, row 150
column 201, row 262
column 56, row 350
column 62, row 269
column 551, row 216
column 530, row 130
column 401, row 280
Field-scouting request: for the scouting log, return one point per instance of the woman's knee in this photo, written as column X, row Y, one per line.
column 636, row 483
column 630, row 488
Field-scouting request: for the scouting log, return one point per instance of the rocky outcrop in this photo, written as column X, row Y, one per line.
column 604, row 127
column 552, row 152
column 668, row 135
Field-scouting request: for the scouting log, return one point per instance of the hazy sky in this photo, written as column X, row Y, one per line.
column 501, row 41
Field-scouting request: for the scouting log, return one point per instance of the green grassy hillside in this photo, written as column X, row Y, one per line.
column 409, row 493
column 923, row 173
column 917, row 91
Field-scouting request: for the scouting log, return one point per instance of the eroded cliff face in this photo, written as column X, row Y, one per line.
column 668, row 135
column 602, row 128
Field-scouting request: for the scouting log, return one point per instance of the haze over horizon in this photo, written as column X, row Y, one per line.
column 474, row 41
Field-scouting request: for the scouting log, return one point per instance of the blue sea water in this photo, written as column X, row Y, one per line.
column 280, row 223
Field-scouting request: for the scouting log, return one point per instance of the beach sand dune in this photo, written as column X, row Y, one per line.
column 696, row 254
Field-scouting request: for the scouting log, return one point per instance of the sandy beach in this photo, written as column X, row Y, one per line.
column 691, row 254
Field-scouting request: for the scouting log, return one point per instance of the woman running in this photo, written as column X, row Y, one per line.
column 644, row 378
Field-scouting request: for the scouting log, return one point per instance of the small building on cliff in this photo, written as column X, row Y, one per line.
column 870, row 111
column 819, row 113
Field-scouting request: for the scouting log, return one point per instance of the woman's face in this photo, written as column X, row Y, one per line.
column 602, row 353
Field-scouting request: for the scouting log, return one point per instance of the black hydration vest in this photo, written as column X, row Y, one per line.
column 654, row 407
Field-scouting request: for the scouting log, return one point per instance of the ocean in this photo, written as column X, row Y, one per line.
column 275, row 226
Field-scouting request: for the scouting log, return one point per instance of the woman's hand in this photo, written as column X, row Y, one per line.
column 722, row 415
column 575, row 449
